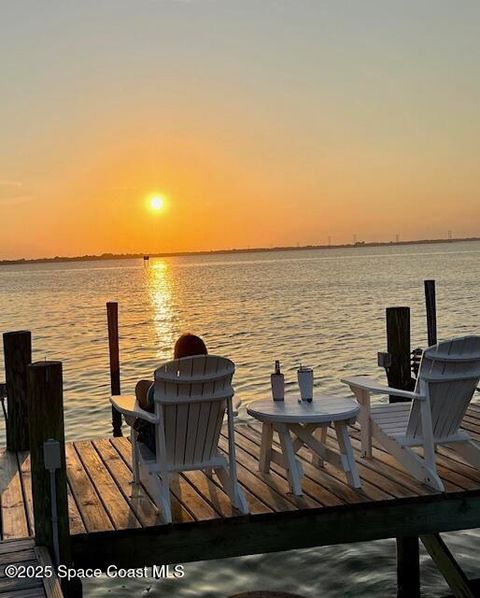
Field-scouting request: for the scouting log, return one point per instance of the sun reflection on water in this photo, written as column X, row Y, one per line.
column 159, row 281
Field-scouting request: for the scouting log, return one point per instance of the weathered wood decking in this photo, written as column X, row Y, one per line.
column 113, row 522
column 24, row 553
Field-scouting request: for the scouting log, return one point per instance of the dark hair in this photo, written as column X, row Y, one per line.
column 189, row 345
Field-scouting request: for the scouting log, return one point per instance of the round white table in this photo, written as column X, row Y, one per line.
column 303, row 419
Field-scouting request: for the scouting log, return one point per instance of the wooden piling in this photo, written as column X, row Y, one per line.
column 17, row 347
column 408, row 568
column 399, row 376
column 45, row 403
column 398, row 346
column 114, row 353
column 430, row 303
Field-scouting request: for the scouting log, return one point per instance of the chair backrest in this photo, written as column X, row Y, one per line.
column 191, row 396
column 450, row 371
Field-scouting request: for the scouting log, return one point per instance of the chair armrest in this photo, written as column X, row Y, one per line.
column 365, row 383
column 128, row 405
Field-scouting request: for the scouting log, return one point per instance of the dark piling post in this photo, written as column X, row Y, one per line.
column 45, row 403
column 399, row 376
column 430, row 303
column 114, row 352
column 398, row 346
column 408, row 568
column 17, row 347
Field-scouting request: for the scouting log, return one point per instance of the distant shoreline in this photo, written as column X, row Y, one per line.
column 127, row 256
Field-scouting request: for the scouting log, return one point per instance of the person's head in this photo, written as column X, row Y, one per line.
column 189, row 345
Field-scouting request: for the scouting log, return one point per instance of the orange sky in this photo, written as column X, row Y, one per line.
column 265, row 125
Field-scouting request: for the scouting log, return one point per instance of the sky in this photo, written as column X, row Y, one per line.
column 261, row 122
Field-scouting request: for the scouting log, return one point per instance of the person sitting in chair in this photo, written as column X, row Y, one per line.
column 187, row 345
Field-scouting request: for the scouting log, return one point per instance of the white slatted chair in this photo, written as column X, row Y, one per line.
column 448, row 376
column 191, row 397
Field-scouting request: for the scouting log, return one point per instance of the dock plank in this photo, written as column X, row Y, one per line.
column 371, row 491
column 114, row 502
column 51, row 585
column 213, row 492
column 12, row 546
column 74, row 516
column 380, row 455
column 30, row 593
column 21, row 552
column 20, row 556
column 271, row 493
column 180, row 490
column 136, row 496
column 272, row 479
column 446, row 469
column 385, row 463
column 14, row 515
column 471, row 426
column 311, row 487
column 93, row 512
column 76, row 523
column 11, row 586
column 396, row 470
column 337, row 486
column 26, row 481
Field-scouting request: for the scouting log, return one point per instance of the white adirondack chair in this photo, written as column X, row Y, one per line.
column 191, row 396
column 448, row 376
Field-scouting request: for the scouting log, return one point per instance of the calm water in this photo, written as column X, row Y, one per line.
column 324, row 308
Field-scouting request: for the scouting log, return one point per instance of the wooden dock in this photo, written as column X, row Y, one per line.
column 24, row 553
column 114, row 522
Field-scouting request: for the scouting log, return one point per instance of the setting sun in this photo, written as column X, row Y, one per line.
column 157, row 202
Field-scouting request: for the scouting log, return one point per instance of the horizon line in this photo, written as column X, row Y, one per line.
column 145, row 255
